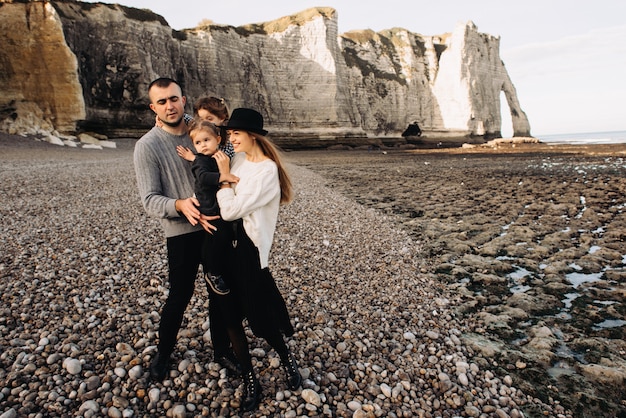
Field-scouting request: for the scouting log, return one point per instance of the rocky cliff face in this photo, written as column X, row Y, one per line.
column 87, row 66
column 38, row 71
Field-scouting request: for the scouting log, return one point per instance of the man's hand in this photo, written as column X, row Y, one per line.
column 189, row 208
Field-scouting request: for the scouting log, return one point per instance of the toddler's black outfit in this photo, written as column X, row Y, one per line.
column 207, row 177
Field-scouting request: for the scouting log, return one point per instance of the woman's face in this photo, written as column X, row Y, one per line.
column 211, row 117
column 242, row 141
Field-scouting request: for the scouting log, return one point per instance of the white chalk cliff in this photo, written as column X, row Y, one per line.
column 83, row 66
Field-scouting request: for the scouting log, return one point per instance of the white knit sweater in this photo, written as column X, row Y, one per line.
column 256, row 199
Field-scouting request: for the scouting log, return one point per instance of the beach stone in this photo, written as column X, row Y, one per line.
column 29, row 368
column 72, row 366
column 92, row 382
column 135, row 372
column 432, row 335
column 182, row 366
column 154, row 395
column 53, row 358
column 354, row 405
column 501, row 413
column 179, row 411
column 113, row 412
column 258, row 352
column 88, row 406
column 10, row 413
column 360, row 413
column 124, row 348
column 120, row 402
column 275, row 362
column 311, row 397
column 472, row 411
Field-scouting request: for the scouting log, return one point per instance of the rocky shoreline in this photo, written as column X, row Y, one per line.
column 397, row 268
column 531, row 238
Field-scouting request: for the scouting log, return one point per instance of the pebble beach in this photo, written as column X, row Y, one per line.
column 421, row 283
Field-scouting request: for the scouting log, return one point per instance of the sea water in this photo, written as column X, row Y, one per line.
column 587, row 138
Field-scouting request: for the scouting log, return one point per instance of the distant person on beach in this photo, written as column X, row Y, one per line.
column 412, row 130
column 206, row 139
column 252, row 205
column 165, row 184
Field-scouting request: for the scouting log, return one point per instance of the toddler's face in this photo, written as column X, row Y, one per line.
column 206, row 142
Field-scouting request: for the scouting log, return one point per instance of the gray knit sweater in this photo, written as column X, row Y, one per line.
column 163, row 177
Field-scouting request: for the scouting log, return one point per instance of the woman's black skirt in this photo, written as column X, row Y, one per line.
column 253, row 292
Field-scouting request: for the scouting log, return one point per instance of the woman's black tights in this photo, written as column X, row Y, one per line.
column 240, row 346
column 278, row 344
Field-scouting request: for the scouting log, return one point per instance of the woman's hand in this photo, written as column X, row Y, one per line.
column 223, row 162
column 205, row 222
column 230, row 178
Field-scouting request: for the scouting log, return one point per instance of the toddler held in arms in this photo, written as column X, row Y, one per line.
column 206, row 139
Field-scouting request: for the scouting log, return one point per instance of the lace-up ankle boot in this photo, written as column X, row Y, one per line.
column 251, row 392
column 294, row 378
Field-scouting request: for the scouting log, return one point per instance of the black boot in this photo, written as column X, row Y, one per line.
column 294, row 378
column 251, row 392
column 159, row 367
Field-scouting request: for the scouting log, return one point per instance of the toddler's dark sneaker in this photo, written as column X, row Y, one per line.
column 216, row 283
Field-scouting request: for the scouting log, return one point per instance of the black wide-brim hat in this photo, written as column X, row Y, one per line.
column 246, row 120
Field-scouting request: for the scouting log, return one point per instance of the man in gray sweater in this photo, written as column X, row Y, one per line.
column 165, row 183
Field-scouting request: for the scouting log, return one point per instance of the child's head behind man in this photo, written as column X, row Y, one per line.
column 205, row 136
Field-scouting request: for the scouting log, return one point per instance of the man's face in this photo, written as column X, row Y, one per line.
column 168, row 103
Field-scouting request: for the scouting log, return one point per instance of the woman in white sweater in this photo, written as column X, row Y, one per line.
column 252, row 205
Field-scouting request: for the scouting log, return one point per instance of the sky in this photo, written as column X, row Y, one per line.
column 566, row 58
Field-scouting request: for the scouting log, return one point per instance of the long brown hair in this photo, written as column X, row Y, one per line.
column 270, row 151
